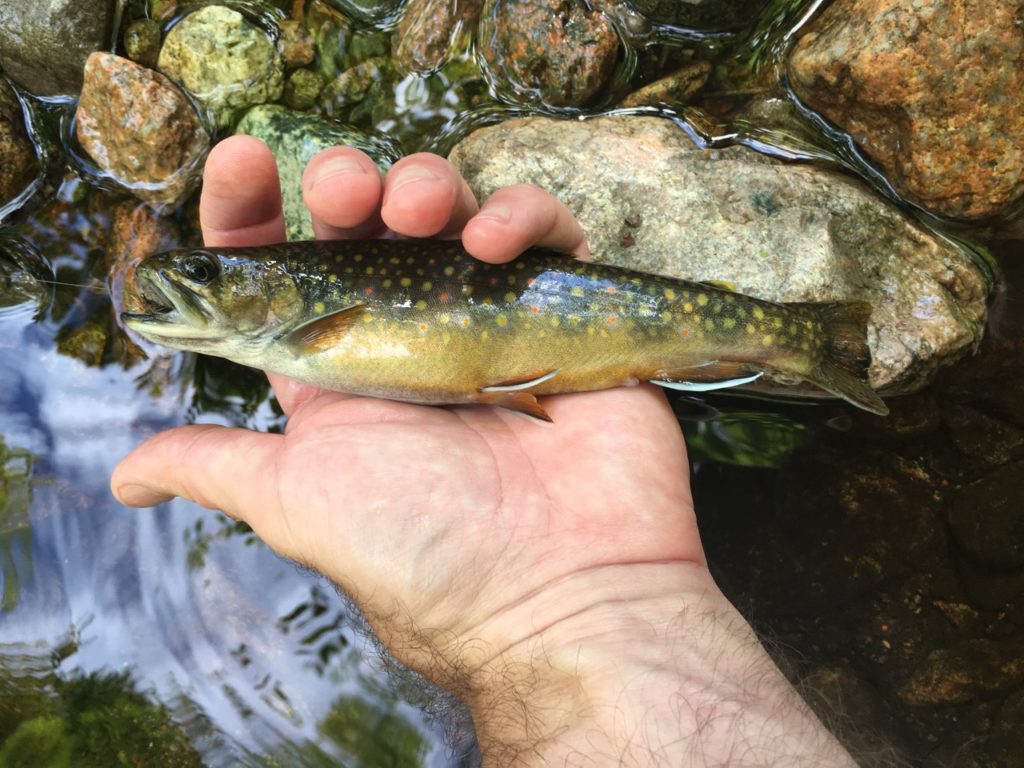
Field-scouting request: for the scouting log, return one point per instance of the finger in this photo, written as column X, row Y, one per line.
column 217, row 467
column 241, row 199
column 424, row 196
column 515, row 218
column 342, row 188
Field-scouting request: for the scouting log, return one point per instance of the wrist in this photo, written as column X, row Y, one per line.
column 634, row 664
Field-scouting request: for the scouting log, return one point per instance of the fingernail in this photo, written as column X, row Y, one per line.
column 338, row 166
column 138, row 496
column 411, row 175
column 498, row 212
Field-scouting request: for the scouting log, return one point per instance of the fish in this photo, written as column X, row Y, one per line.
column 422, row 321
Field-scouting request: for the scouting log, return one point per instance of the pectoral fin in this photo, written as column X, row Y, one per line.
column 706, row 386
column 323, row 332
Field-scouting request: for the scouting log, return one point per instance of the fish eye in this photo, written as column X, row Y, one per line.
column 200, row 267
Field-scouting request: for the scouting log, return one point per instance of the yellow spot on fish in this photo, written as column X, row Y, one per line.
column 369, row 270
column 729, row 322
column 357, row 257
column 670, row 294
column 484, row 336
column 520, row 265
column 590, row 330
column 367, row 317
column 449, row 271
column 702, row 299
column 446, row 337
column 501, row 320
column 406, row 282
column 421, row 305
column 574, row 319
column 393, row 260
column 766, row 340
column 424, row 326
column 487, row 302
column 387, row 283
column 511, row 279
column 758, row 313
column 687, row 307
column 332, row 278
column 465, row 322
column 444, row 317
column 467, row 290
column 709, row 324
column 427, row 285
column 510, row 297
column 794, row 328
column 319, row 308
column 576, row 290
column 805, row 346
column 750, row 328
column 554, row 321
column 666, row 316
column 777, row 322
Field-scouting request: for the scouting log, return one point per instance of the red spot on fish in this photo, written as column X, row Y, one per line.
column 444, row 297
column 494, row 281
column 612, row 289
column 531, row 281
column 684, row 331
column 423, row 326
column 535, row 309
column 612, row 319
column 368, row 291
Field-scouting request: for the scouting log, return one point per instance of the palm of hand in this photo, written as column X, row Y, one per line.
column 423, row 508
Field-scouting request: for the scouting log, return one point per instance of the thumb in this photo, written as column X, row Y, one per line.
column 217, row 467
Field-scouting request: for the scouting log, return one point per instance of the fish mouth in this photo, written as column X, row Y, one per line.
column 169, row 310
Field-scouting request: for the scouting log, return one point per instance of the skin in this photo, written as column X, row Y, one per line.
column 550, row 575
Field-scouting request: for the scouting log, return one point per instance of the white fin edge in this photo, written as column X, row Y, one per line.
column 523, row 385
column 706, row 386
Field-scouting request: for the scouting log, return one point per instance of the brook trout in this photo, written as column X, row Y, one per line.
column 424, row 322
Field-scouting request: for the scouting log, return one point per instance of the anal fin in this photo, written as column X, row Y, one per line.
column 516, row 400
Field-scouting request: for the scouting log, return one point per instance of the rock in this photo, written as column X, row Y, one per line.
column 136, row 231
column 932, row 91
column 423, row 41
column 986, row 521
column 224, row 61
column 559, row 53
column 140, row 129
column 142, row 42
column 983, row 437
column 18, row 161
column 44, row 45
column 976, row 668
column 25, row 276
column 677, row 87
column 297, row 46
column 294, row 138
column 784, row 232
column 303, row 89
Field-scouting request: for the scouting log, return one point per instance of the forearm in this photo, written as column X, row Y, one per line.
column 673, row 676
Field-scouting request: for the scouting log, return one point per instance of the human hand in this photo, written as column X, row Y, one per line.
column 476, row 541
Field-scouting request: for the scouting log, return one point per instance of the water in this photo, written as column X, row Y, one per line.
column 839, row 535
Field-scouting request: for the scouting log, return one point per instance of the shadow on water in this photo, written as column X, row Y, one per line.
column 883, row 559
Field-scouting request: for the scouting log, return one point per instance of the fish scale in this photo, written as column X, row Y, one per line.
column 423, row 321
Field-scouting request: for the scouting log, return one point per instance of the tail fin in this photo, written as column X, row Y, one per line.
column 843, row 365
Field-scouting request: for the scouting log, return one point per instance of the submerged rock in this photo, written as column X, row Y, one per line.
column 142, row 41
column 43, row 45
column 423, row 41
column 932, row 91
column 294, row 138
column 780, row 231
column 676, row 87
column 224, row 61
column 558, row 53
column 140, row 128
column 703, row 14
column 18, row 161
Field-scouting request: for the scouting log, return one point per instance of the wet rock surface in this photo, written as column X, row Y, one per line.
column 294, row 138
column 43, row 45
column 428, row 29
column 931, row 91
column 676, row 87
column 18, row 163
column 703, row 14
column 780, row 231
column 140, row 128
column 560, row 53
column 225, row 62
column 142, row 42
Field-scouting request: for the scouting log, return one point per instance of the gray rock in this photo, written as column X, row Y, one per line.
column 986, row 522
column 44, row 43
column 650, row 199
column 227, row 63
column 294, row 138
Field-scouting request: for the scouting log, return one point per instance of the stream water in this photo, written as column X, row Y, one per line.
column 841, row 539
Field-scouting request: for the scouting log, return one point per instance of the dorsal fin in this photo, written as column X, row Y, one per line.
column 322, row 333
